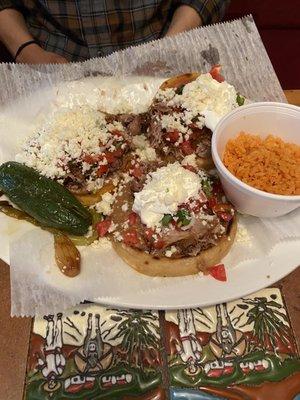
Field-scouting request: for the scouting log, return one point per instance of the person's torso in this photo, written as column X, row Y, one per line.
column 91, row 28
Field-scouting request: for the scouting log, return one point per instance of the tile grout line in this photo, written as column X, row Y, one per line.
column 28, row 353
column 289, row 320
column 164, row 356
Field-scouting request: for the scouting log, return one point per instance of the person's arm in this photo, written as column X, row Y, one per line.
column 14, row 32
column 194, row 13
column 184, row 19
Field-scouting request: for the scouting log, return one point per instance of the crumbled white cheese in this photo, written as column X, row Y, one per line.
column 115, row 126
column 115, row 181
column 140, row 141
column 117, row 235
column 104, row 206
column 222, row 230
column 124, row 207
column 68, row 137
column 166, row 94
column 242, row 236
column 86, row 167
column 89, row 232
column 101, row 243
column 112, row 227
column 143, row 149
column 202, row 173
column 172, row 122
column 125, row 225
column 171, row 251
column 147, row 154
column 112, row 147
column 127, row 178
column 204, row 100
column 94, row 183
column 63, row 138
column 190, row 160
column 164, row 190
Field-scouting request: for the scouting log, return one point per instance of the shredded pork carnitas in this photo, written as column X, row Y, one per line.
column 209, row 219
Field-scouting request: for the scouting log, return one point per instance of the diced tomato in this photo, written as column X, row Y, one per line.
column 102, row 170
column 222, row 207
column 130, row 237
column 225, row 216
column 190, row 168
column 88, row 158
column 117, row 153
column 218, row 272
column 149, row 232
column 217, row 187
column 92, row 158
column 215, row 72
column 212, row 202
column 195, row 130
column 174, row 223
column 187, row 147
column 110, row 157
column 137, row 171
column 103, row 227
column 158, row 244
column 173, row 136
column 133, row 218
column 223, row 210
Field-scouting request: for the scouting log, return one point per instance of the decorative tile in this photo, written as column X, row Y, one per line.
column 95, row 353
column 242, row 349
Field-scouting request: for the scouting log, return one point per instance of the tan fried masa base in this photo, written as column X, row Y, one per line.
column 166, row 267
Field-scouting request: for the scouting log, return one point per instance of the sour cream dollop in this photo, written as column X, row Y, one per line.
column 164, row 191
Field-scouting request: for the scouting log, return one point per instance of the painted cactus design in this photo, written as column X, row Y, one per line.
column 242, row 349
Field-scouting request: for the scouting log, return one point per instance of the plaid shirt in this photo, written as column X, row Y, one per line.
column 82, row 29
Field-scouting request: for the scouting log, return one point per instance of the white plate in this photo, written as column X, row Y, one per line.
column 104, row 276
column 206, row 291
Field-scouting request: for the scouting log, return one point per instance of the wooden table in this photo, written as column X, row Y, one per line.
column 15, row 332
column 293, row 96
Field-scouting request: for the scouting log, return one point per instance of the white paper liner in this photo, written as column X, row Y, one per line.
column 37, row 286
column 235, row 45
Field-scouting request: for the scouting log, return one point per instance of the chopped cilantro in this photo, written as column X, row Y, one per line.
column 207, row 187
column 184, row 217
column 240, row 99
column 167, row 218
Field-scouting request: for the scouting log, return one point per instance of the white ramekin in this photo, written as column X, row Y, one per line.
column 278, row 119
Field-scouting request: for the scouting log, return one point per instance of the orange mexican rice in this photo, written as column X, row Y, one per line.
column 267, row 164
